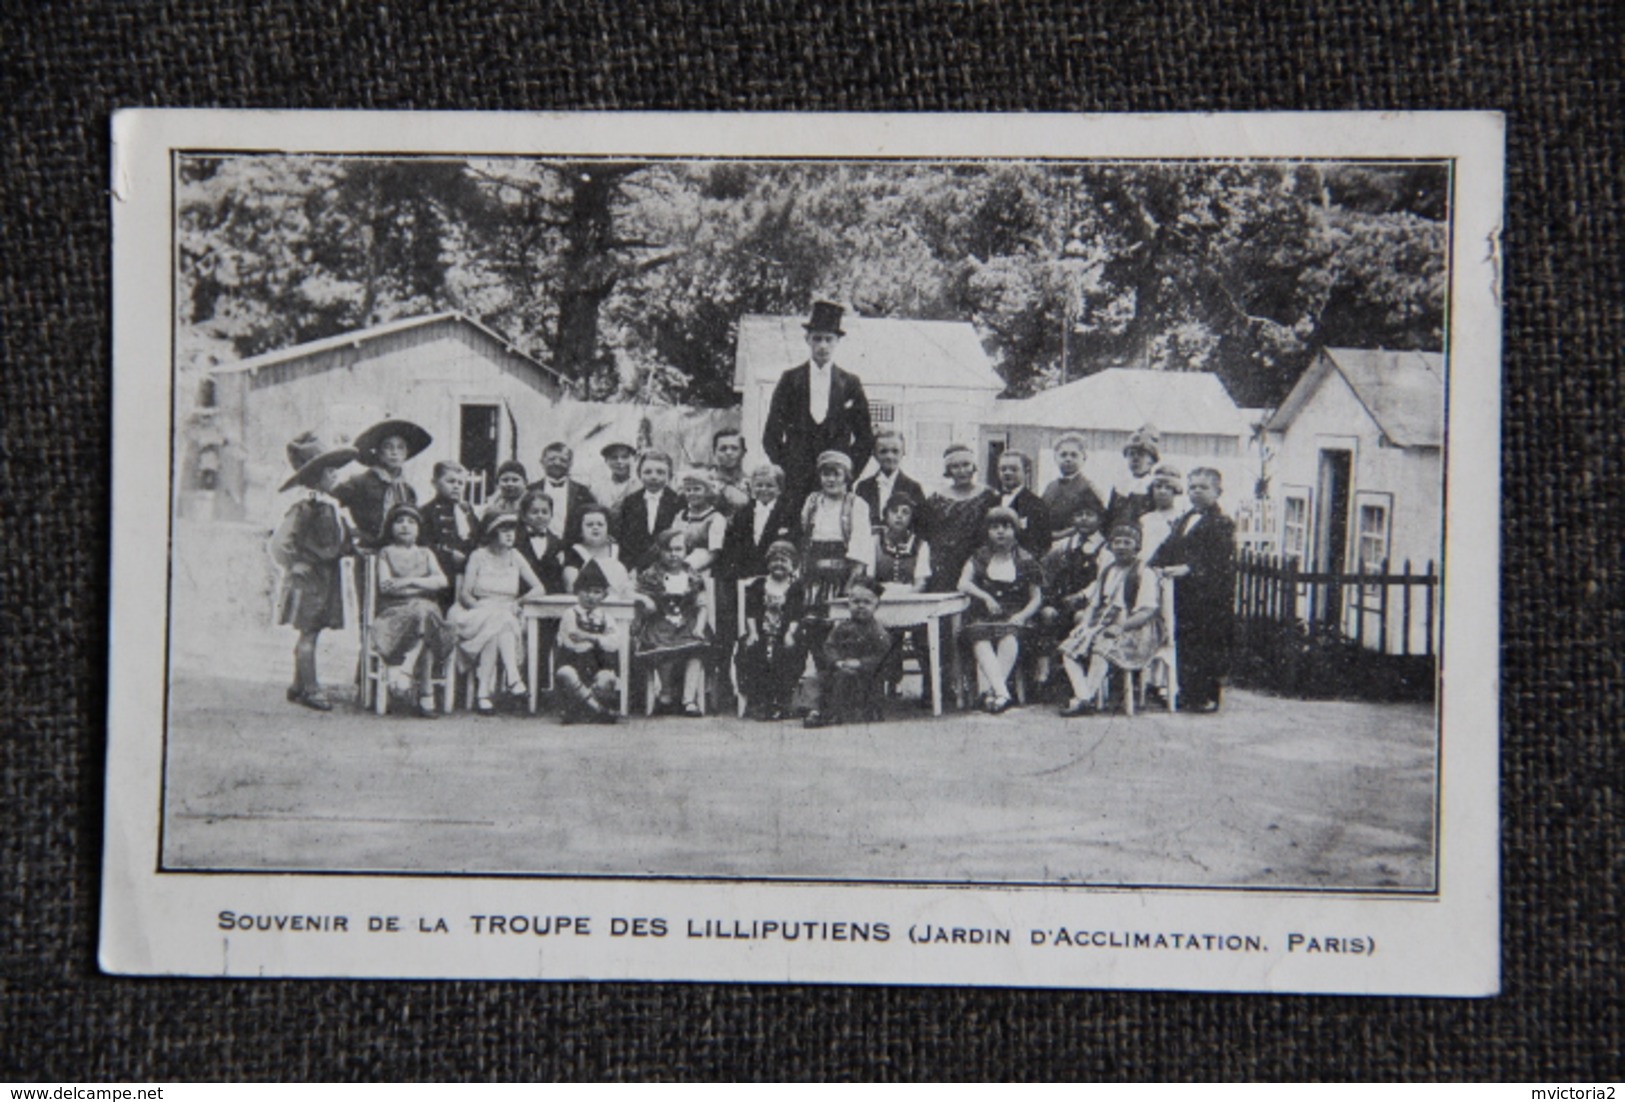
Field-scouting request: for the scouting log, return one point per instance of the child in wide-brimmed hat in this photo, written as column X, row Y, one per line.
column 408, row 617
column 487, row 613
column 771, row 657
column 369, row 495
column 308, row 544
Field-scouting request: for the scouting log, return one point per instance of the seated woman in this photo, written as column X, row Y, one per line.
column 487, row 620
column 1005, row 585
column 597, row 546
column 771, row 658
column 1123, row 627
column 408, row 611
column 671, row 633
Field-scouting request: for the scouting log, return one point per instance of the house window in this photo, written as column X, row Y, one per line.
column 1295, row 527
column 882, row 414
column 206, row 394
column 1373, row 536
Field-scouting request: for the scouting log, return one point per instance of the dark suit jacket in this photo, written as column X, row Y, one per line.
column 579, row 497
column 743, row 555
column 869, row 490
column 548, row 564
column 1034, row 533
column 794, row 441
column 1204, row 600
column 632, row 532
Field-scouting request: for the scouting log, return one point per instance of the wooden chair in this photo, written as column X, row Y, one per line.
column 1136, row 682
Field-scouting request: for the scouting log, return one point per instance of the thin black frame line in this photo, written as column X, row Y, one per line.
column 1450, row 163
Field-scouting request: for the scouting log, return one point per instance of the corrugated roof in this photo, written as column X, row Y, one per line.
column 1122, row 399
column 1403, row 392
column 883, row 351
column 357, row 337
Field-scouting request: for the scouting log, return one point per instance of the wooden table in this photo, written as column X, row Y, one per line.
column 910, row 610
column 553, row 606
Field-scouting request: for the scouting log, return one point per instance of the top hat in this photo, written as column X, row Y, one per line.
column 309, row 456
column 826, row 318
column 416, row 436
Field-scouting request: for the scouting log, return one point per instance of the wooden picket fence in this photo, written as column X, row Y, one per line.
column 1331, row 633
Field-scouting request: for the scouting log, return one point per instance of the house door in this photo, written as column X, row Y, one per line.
column 478, row 444
column 1332, row 526
column 997, row 444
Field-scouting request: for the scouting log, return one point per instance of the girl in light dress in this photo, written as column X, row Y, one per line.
column 487, row 619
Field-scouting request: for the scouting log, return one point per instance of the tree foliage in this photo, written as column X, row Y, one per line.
column 631, row 277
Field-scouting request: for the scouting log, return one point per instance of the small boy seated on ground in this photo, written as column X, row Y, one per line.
column 587, row 654
column 854, row 651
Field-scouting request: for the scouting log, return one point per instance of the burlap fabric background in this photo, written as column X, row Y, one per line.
column 1554, row 67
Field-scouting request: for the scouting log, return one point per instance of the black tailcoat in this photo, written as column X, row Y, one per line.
column 743, row 555
column 869, row 490
column 794, row 441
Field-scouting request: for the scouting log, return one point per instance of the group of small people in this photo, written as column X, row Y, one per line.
column 1070, row 574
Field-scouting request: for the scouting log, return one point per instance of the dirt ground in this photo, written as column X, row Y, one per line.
column 1269, row 792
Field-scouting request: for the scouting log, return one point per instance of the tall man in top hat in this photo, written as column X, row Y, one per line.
column 817, row 407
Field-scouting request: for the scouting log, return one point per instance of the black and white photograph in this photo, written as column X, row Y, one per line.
column 1008, row 538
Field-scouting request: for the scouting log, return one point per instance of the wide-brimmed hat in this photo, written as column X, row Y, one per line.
column 833, row 458
column 495, row 522
column 615, row 448
column 1146, row 439
column 1169, row 475
column 826, row 318
column 416, row 436
column 309, row 455
column 591, row 577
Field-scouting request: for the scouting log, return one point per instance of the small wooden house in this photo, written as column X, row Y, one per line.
column 481, row 399
column 928, row 379
column 1357, row 476
column 1198, row 423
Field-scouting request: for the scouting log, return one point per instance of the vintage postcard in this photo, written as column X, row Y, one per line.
column 1005, row 550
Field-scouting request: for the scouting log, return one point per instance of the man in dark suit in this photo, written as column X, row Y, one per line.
column 817, row 407
column 879, row 487
column 753, row 529
column 569, row 497
column 1033, row 527
column 1200, row 555
column 647, row 512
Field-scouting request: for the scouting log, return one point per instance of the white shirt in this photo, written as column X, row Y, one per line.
column 559, row 492
column 758, row 520
column 818, row 384
column 885, row 485
column 651, row 505
column 826, row 527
